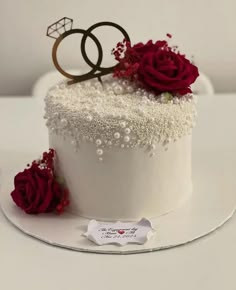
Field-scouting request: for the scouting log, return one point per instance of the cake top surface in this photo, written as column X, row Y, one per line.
column 118, row 113
column 117, row 99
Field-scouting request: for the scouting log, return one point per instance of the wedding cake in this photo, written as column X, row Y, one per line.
column 121, row 137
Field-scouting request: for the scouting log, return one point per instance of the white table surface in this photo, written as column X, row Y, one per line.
column 28, row 264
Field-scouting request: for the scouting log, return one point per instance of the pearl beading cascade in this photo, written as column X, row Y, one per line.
column 117, row 113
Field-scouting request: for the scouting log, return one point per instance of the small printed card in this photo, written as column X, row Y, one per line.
column 120, row 233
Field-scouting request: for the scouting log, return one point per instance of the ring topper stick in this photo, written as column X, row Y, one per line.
column 62, row 29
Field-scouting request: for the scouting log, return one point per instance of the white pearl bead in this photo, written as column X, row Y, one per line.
column 151, row 96
column 89, row 118
column 123, row 124
column 118, row 90
column 122, row 145
column 126, row 139
column 117, row 135
column 125, row 83
column 98, row 142
column 130, row 89
column 145, row 94
column 73, row 142
column 113, row 84
column 64, row 122
column 127, row 130
column 153, row 147
column 140, row 112
column 99, row 152
column 100, row 159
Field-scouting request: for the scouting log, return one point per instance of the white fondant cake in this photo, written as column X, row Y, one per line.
column 123, row 153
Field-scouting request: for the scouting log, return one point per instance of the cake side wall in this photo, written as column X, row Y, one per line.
column 128, row 184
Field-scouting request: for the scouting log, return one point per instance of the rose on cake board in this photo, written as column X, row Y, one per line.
column 37, row 190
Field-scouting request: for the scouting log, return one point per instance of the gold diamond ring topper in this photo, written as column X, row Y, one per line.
column 64, row 28
column 58, row 28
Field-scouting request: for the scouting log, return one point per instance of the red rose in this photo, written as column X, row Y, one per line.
column 37, row 191
column 167, row 71
column 141, row 49
column 129, row 57
column 156, row 66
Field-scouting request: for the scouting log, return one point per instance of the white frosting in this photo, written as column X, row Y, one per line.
column 111, row 143
column 129, row 184
column 94, row 113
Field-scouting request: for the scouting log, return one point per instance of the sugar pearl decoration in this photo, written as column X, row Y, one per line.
column 117, row 108
column 127, row 130
column 117, row 135
column 125, row 83
column 89, row 118
column 73, row 142
column 126, row 139
column 123, row 124
column 153, row 146
column 98, row 142
column 64, row 122
column 99, row 152
column 130, row 89
column 118, row 90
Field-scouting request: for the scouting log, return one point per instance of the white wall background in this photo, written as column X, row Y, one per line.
column 203, row 28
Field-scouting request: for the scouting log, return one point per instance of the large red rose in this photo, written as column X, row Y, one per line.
column 156, row 66
column 141, row 49
column 129, row 57
column 36, row 189
column 167, row 71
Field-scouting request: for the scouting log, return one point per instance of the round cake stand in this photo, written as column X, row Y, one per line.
column 213, row 203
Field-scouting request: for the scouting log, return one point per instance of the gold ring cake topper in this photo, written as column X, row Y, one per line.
column 62, row 29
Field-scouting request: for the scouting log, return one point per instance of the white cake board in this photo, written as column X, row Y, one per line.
column 213, row 203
